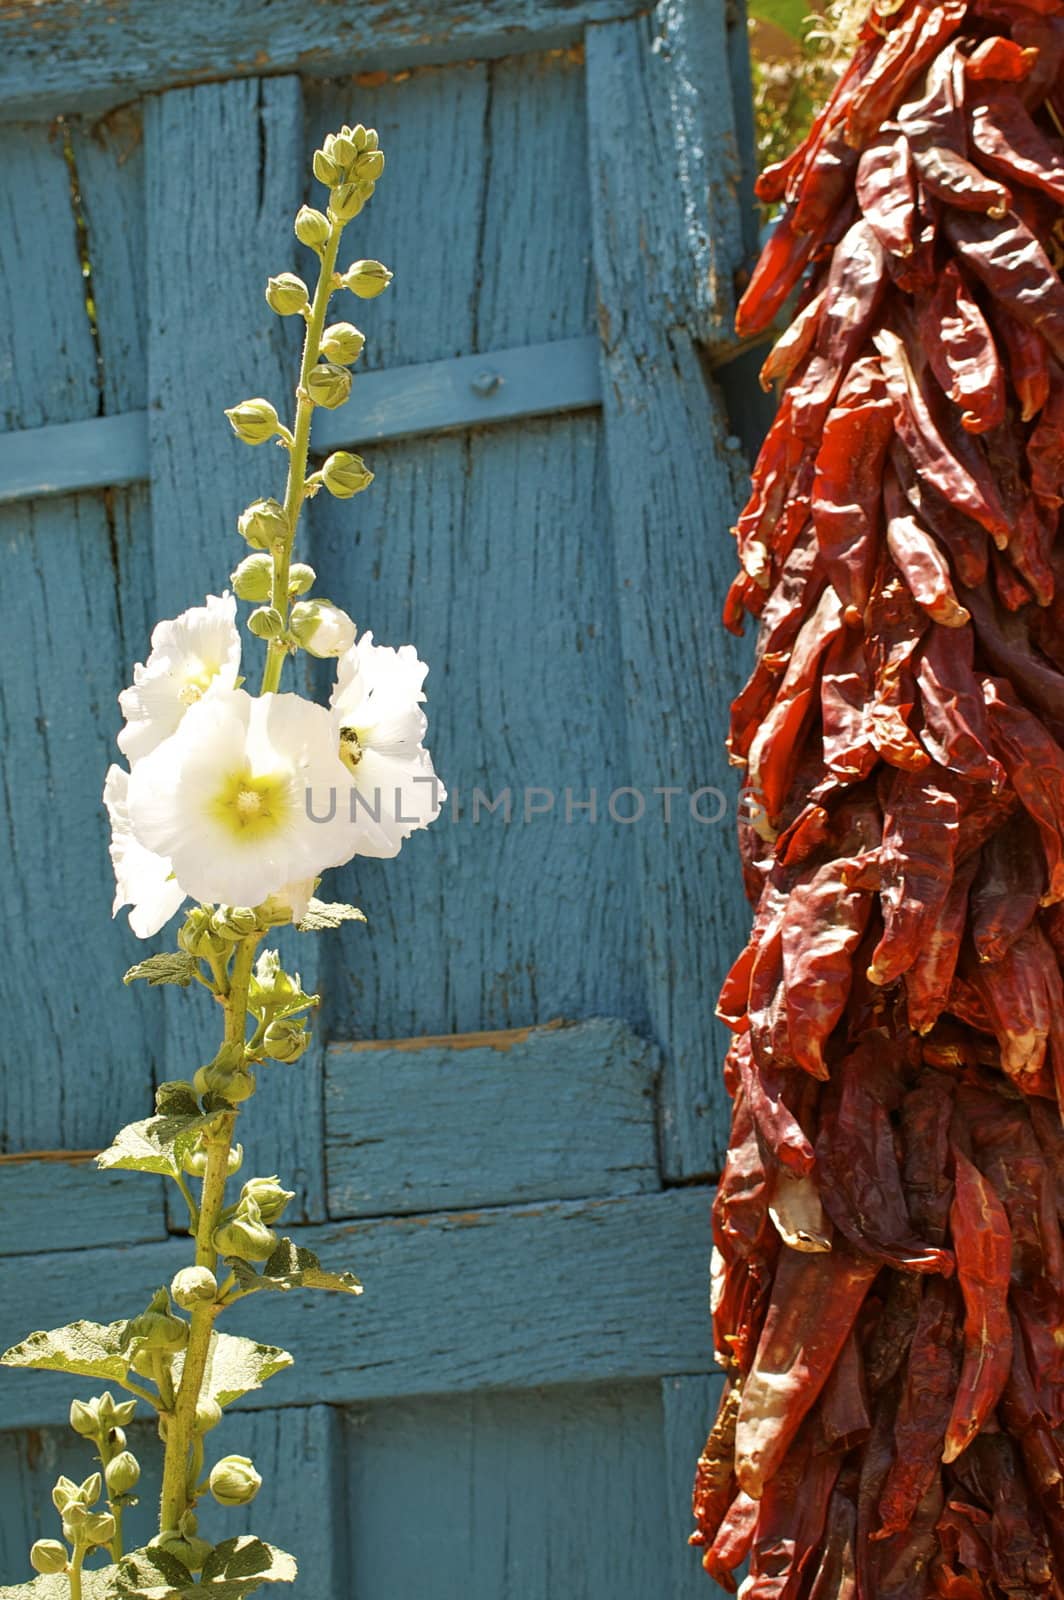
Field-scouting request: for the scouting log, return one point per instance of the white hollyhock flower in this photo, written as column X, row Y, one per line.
column 144, row 880
column 225, row 798
column 392, row 789
column 190, row 654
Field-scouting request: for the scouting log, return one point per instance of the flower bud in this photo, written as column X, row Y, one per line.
column 208, row 1414
column 193, row 1285
column 196, row 934
column 122, row 1473
column 234, row 1481
column 328, row 384
column 311, row 227
column 194, row 1161
column 98, row 1528
column 157, row 1329
column 48, row 1555
column 321, row 628
column 232, row 923
column 245, row 1236
column 266, row 622
column 326, row 169
column 371, row 140
column 344, row 151
column 264, row 524
column 345, row 474
column 369, row 165
column 286, row 1039
column 342, row 342
column 232, row 1084
column 116, row 1438
column 268, row 1195
column 121, row 1415
column 367, row 279
column 254, row 421
column 64, row 1494
column 300, row 577
column 253, row 578
column 85, row 1417
column 287, row 294
column 346, row 201
column 75, row 1516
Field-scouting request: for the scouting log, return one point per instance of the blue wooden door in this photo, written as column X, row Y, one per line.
column 512, row 1119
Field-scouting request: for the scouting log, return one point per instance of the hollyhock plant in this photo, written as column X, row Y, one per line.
column 236, row 802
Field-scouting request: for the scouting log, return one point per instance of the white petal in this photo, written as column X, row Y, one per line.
column 190, row 655
column 144, row 880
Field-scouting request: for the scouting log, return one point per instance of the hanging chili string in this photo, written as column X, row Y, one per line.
column 888, row 1294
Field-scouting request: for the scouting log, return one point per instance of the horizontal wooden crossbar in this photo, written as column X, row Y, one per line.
column 72, row 56
column 511, row 1297
column 433, row 397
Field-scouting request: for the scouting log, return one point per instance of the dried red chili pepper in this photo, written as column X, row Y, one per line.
column 982, row 1242
column 962, row 352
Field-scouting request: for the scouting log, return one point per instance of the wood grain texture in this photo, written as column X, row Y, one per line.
column 66, row 1203
column 511, row 1297
column 673, row 493
column 223, row 167
column 549, row 1495
column 74, row 52
column 689, row 1405
column 490, row 553
column 559, row 1114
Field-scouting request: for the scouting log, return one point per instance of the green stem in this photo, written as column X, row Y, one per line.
column 190, row 1200
column 296, row 487
column 106, row 1456
column 75, row 1571
column 180, row 1430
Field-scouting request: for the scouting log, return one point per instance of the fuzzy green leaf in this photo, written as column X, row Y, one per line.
column 321, row 914
column 100, row 1583
column 292, row 1267
column 157, row 1144
column 87, row 1349
column 171, row 966
column 235, row 1366
column 234, row 1568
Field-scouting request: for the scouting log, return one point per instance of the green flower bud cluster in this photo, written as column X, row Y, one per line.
column 101, row 1416
column 83, row 1528
column 253, row 578
column 349, row 163
column 234, row 1481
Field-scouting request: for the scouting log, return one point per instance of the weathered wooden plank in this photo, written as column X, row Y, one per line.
column 689, row 1405
column 70, row 57
column 666, row 75
column 486, row 1119
column 510, row 1297
column 60, row 1200
column 108, row 169
column 673, row 490
column 492, row 555
column 224, row 179
column 47, row 358
column 433, row 397
column 558, row 1493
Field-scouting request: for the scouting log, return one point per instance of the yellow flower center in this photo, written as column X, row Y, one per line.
column 252, row 806
column 195, row 683
column 350, row 748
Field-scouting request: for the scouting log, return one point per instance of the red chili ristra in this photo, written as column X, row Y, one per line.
column 888, row 1279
